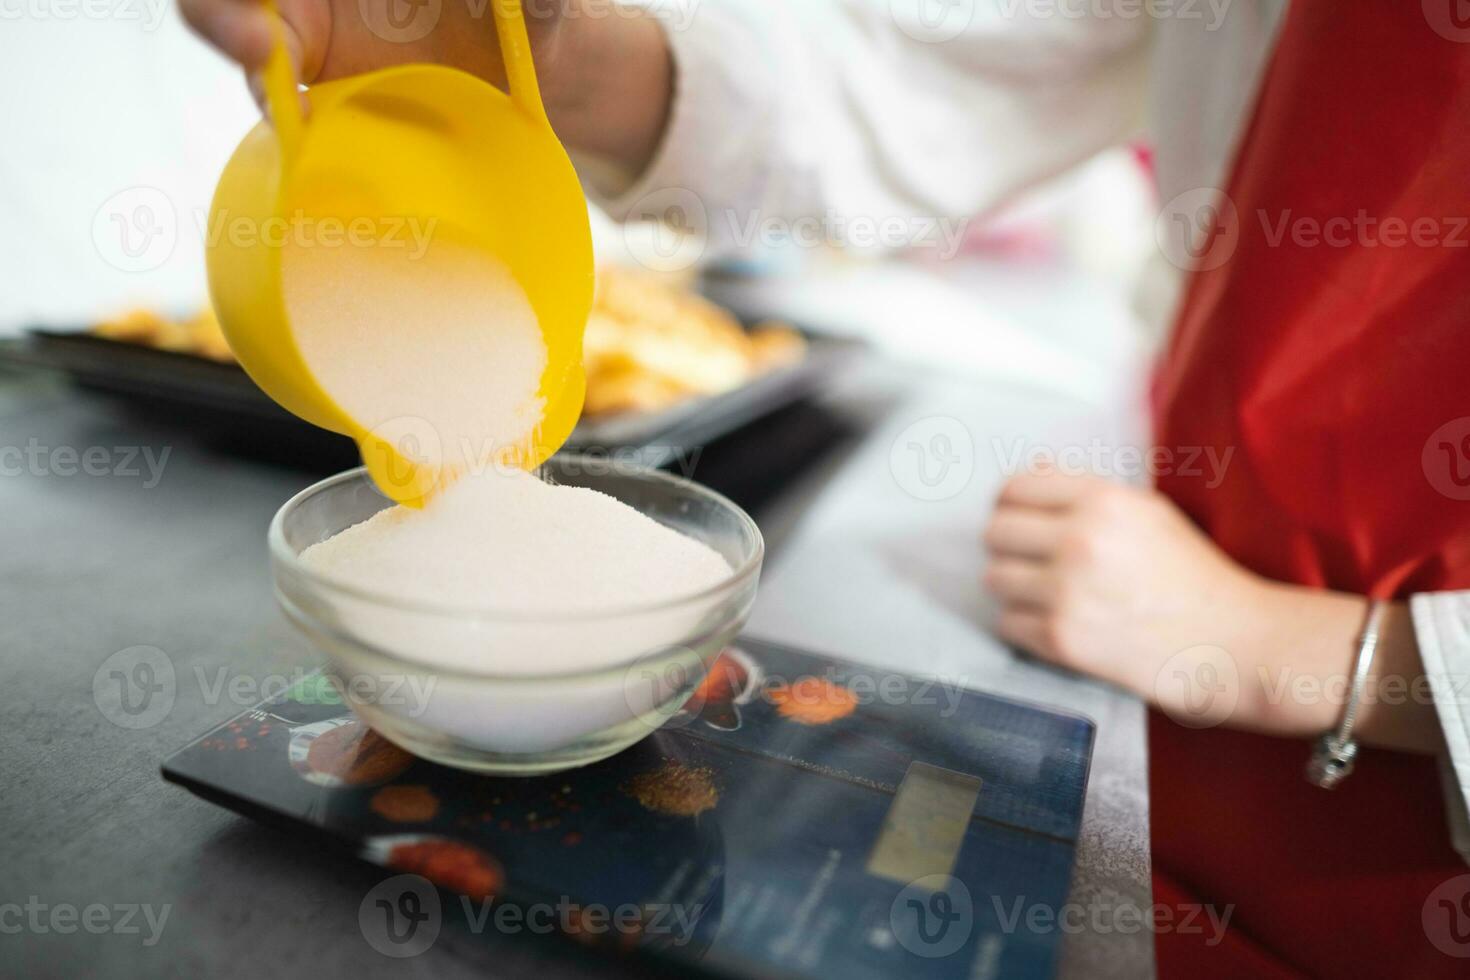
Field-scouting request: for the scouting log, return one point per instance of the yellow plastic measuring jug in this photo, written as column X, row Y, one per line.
column 415, row 141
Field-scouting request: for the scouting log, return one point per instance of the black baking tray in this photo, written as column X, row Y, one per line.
column 214, row 393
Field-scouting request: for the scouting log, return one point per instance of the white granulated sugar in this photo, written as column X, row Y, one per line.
column 446, row 336
column 507, row 541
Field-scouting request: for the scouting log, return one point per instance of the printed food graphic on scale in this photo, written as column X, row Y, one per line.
column 458, row 369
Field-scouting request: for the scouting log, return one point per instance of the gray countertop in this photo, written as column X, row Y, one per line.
column 875, row 557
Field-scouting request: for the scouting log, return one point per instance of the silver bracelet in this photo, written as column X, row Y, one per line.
column 1333, row 755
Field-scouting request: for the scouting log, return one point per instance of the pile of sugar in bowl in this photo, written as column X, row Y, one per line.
column 499, row 570
column 506, row 541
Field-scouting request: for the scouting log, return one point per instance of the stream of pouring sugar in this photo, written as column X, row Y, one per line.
column 450, row 338
column 442, row 346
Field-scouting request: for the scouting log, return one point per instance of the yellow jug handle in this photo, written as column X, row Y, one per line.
column 515, row 50
column 520, row 68
column 280, row 90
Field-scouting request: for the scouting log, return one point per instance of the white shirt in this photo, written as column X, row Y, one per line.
column 927, row 109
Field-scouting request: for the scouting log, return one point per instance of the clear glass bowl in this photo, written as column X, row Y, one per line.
column 496, row 690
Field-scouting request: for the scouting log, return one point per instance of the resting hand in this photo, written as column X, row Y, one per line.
column 1115, row 581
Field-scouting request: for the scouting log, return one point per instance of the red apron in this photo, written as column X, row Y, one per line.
column 1335, row 365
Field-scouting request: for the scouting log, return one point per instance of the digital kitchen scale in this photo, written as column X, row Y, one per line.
column 802, row 817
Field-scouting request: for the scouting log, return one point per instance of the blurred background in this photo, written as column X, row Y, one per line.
column 119, row 122
column 870, row 483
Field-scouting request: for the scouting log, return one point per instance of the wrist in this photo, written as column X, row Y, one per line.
column 609, row 84
column 561, row 61
column 1399, row 708
column 1301, row 655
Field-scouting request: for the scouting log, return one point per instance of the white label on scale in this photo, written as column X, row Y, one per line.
column 926, row 824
